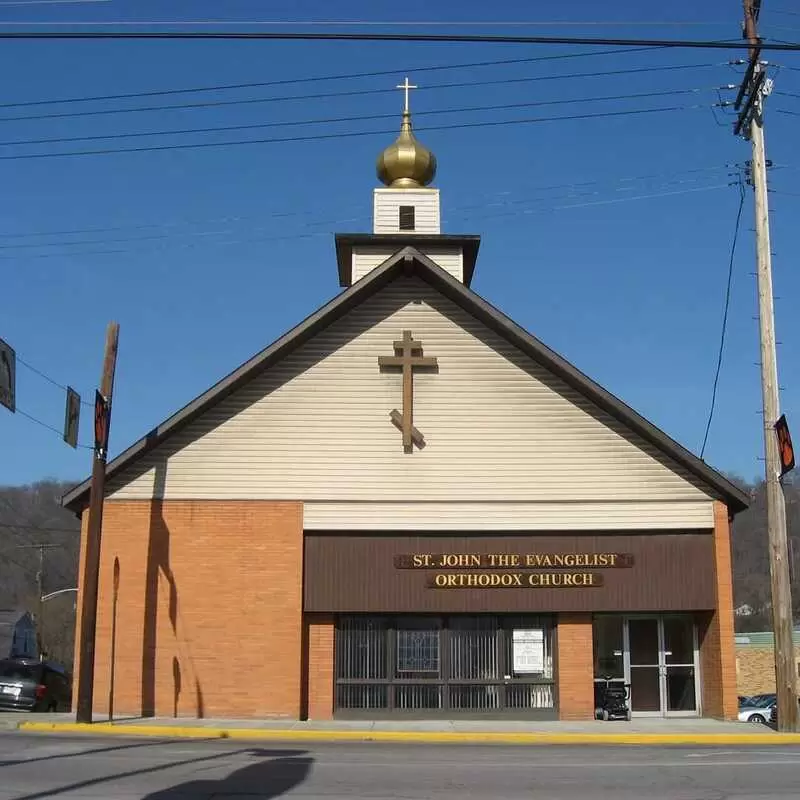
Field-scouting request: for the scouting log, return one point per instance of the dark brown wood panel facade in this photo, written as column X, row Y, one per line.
column 635, row 572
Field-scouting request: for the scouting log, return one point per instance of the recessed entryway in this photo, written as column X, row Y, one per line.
column 656, row 656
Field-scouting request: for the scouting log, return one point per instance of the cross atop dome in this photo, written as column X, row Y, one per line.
column 406, row 164
column 406, row 86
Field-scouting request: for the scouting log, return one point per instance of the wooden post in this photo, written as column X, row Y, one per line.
column 782, row 617
column 91, row 567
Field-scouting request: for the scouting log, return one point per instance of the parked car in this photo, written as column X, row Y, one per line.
column 30, row 685
column 758, row 711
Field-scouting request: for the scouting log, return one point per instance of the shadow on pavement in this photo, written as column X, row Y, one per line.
column 265, row 779
column 280, row 771
column 10, row 762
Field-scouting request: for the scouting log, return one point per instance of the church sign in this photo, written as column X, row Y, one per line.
column 515, row 573
column 484, row 569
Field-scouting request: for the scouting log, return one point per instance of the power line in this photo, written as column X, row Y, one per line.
column 724, row 317
column 355, row 118
column 395, row 23
column 451, row 38
column 621, row 184
column 44, row 529
column 320, row 78
column 40, row 373
column 49, row 427
column 344, row 135
column 46, row 377
column 295, row 237
column 7, row 3
column 352, row 93
column 204, row 234
column 611, row 201
column 233, row 218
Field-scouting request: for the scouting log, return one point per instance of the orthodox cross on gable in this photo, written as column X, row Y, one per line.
column 407, row 356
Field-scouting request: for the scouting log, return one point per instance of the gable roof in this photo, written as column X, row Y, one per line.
column 409, row 261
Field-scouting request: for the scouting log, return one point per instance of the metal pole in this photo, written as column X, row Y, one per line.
column 40, row 610
column 91, row 567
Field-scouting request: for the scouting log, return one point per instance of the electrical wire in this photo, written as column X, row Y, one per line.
column 351, row 93
column 295, row 237
column 49, row 427
column 724, row 317
column 46, row 377
column 320, row 78
column 8, row 3
column 43, row 529
column 355, row 118
column 235, row 218
column 398, row 23
column 328, row 223
column 450, row 38
column 344, row 135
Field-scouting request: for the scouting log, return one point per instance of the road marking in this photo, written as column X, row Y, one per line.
column 570, row 765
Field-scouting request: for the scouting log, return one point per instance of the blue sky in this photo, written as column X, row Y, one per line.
column 607, row 237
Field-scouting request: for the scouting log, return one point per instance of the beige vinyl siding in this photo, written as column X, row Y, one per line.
column 336, row 516
column 366, row 258
column 498, row 427
column 386, row 205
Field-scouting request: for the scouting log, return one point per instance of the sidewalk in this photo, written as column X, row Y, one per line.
column 639, row 731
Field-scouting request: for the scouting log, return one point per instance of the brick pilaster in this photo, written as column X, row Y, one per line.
column 575, row 667
column 717, row 648
column 320, row 666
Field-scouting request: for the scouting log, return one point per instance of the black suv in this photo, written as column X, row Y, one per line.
column 30, row 685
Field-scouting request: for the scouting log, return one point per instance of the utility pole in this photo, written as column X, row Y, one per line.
column 91, row 564
column 751, row 118
column 41, row 547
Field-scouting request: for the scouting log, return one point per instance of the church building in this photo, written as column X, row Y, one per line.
column 408, row 506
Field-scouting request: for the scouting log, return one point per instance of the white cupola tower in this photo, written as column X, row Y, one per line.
column 405, row 212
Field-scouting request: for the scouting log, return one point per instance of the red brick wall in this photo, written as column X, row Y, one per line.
column 209, row 613
column 717, row 646
column 320, row 666
column 575, row 667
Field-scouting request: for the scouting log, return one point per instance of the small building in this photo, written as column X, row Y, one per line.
column 17, row 635
column 755, row 662
column 408, row 505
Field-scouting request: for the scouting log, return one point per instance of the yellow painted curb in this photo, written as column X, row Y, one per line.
column 419, row 737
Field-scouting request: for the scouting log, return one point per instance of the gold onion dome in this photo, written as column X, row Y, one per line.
column 407, row 163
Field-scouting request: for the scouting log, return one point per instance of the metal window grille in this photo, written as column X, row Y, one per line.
column 440, row 665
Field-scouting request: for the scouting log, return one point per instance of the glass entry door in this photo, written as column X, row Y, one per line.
column 661, row 665
column 644, row 665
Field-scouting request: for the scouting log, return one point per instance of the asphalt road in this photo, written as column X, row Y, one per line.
column 68, row 768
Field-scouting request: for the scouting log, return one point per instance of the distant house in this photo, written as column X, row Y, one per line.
column 17, row 635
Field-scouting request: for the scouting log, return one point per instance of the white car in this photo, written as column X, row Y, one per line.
column 760, row 715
